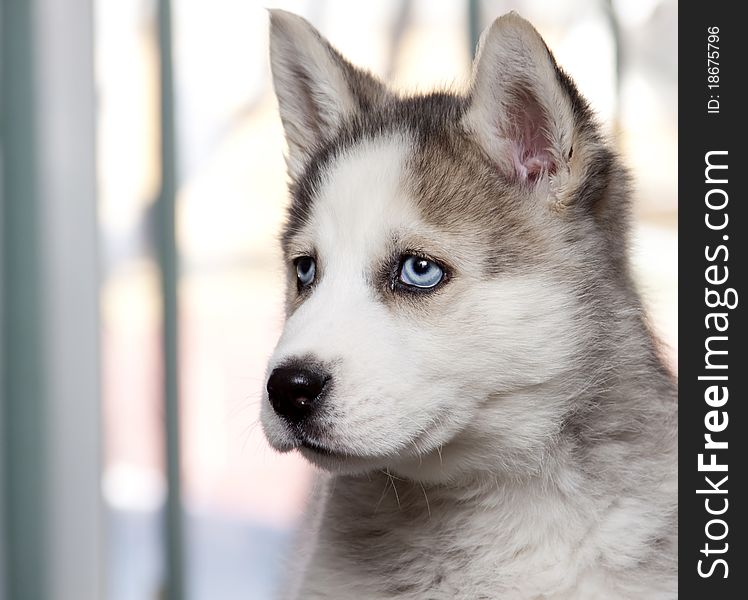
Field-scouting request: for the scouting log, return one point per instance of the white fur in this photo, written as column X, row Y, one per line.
column 397, row 374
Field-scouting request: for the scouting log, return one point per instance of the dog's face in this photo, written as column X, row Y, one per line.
column 432, row 277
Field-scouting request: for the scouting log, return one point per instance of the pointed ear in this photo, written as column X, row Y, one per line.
column 524, row 112
column 317, row 88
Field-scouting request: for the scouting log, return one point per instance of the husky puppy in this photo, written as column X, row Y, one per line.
column 465, row 354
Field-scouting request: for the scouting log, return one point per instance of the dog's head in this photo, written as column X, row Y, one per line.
column 440, row 249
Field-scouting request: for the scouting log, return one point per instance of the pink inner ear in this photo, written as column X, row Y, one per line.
column 530, row 147
column 530, row 164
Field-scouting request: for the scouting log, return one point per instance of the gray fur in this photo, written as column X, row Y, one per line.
column 552, row 473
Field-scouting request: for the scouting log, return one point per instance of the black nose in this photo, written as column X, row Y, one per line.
column 293, row 391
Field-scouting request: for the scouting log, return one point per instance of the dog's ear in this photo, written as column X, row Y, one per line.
column 317, row 88
column 524, row 111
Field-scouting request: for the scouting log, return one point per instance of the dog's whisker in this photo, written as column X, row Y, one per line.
column 428, row 505
column 394, row 487
column 387, row 482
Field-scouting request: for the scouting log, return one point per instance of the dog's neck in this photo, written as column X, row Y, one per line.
column 544, row 530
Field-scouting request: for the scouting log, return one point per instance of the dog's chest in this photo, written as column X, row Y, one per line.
column 395, row 539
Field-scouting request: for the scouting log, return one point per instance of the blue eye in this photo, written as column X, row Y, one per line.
column 305, row 270
column 420, row 273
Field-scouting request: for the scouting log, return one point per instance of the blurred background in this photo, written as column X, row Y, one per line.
column 142, row 187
